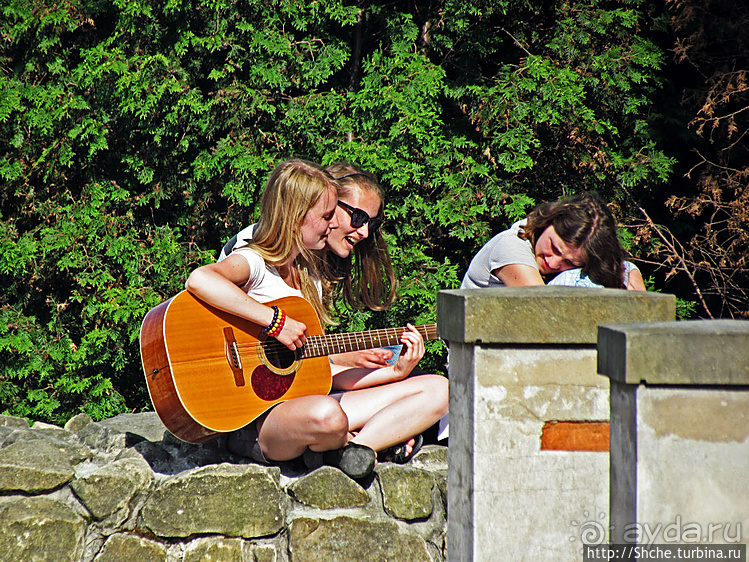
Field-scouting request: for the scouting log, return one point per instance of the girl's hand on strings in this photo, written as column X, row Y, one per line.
column 293, row 335
column 413, row 351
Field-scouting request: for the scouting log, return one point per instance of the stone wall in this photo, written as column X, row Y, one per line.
column 125, row 489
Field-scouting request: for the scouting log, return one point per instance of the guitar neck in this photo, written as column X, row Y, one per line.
column 330, row 344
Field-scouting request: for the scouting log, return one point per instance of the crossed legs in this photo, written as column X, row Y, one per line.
column 382, row 416
column 317, row 422
column 377, row 417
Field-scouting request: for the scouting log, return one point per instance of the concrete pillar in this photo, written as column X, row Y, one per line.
column 679, row 431
column 528, row 456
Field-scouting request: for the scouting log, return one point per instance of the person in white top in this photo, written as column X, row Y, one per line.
column 572, row 233
column 298, row 213
column 356, row 257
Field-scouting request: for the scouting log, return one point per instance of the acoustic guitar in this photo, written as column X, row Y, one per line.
column 210, row 372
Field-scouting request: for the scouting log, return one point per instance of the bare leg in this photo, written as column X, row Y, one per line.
column 317, row 422
column 391, row 413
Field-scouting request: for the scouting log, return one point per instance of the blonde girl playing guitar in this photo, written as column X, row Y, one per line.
column 298, row 213
column 356, row 258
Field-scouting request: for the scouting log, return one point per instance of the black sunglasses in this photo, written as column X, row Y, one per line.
column 359, row 218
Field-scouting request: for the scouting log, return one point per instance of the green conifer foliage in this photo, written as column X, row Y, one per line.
column 136, row 136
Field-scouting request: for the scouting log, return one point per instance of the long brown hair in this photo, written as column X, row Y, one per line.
column 366, row 278
column 292, row 189
column 585, row 222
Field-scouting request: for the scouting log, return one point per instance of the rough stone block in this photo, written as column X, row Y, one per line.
column 13, row 421
column 109, row 489
column 343, row 539
column 213, row 548
column 236, row 501
column 328, row 488
column 78, row 422
column 40, row 528
column 124, row 546
column 406, row 491
column 33, row 467
column 431, row 457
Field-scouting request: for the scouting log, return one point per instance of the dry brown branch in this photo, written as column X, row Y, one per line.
column 676, row 251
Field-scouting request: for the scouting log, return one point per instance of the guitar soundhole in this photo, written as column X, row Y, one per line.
column 268, row 385
column 279, row 355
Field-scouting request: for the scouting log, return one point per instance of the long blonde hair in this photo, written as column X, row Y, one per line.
column 293, row 188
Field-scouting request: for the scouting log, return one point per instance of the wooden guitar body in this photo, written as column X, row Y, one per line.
column 210, row 372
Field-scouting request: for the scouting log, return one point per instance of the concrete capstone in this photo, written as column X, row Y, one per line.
column 543, row 315
column 709, row 352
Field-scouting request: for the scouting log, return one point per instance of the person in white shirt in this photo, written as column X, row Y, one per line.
column 356, row 257
column 572, row 233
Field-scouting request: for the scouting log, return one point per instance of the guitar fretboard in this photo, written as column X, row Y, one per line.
column 317, row 346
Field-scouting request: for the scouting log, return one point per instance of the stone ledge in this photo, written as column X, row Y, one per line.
column 543, row 315
column 695, row 352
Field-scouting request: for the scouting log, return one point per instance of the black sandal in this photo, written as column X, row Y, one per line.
column 398, row 453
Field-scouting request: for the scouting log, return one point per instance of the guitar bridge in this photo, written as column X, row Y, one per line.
column 232, row 356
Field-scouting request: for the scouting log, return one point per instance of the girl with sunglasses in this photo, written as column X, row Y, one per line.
column 372, row 409
column 359, row 263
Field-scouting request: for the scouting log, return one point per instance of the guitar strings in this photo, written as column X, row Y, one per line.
column 327, row 341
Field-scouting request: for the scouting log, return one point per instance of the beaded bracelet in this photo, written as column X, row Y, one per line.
column 274, row 328
column 270, row 327
column 278, row 326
